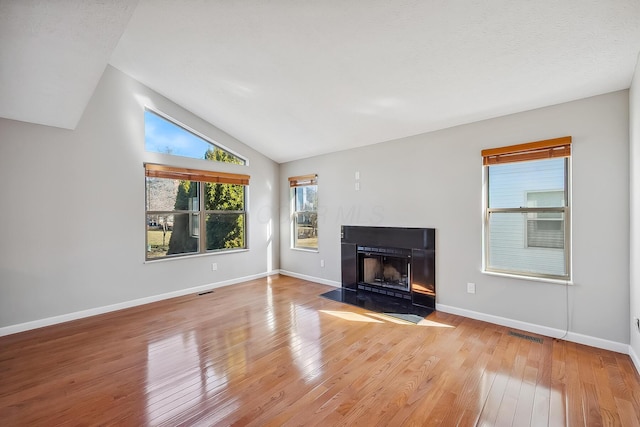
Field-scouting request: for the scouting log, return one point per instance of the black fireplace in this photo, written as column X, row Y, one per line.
column 391, row 262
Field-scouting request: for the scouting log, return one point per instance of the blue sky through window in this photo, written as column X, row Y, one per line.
column 163, row 136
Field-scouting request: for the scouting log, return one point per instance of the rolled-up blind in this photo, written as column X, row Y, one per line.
column 299, row 181
column 538, row 150
column 171, row 172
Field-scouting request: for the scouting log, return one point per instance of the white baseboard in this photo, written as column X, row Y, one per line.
column 530, row 327
column 524, row 326
column 22, row 327
column 634, row 358
column 311, row 278
column 538, row 329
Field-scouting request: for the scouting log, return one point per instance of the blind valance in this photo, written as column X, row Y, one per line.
column 171, row 172
column 299, row 181
column 538, row 150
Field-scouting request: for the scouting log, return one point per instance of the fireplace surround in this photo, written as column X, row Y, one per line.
column 391, row 262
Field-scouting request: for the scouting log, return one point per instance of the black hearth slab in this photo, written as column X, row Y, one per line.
column 377, row 303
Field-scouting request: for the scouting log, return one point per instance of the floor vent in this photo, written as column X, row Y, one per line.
column 205, row 292
column 526, row 337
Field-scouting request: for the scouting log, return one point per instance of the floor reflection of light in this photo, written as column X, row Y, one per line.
column 220, row 413
column 506, row 394
column 271, row 316
column 304, row 341
column 269, row 247
column 236, row 351
column 178, row 378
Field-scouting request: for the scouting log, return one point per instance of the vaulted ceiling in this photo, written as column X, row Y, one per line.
column 294, row 79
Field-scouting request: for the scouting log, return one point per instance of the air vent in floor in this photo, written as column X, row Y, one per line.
column 526, row 337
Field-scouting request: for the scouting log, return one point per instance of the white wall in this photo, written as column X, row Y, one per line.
column 72, row 229
column 634, row 136
column 435, row 180
column 73, row 222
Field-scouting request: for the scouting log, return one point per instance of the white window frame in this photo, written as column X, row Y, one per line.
column 197, row 220
column 566, row 211
column 295, row 184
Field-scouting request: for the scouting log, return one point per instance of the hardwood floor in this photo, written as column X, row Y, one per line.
column 271, row 352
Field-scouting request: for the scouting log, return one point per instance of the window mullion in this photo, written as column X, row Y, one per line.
column 559, row 209
column 225, row 212
column 202, row 244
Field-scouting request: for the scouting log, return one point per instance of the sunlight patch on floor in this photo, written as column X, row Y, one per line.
column 353, row 317
column 390, row 319
column 427, row 322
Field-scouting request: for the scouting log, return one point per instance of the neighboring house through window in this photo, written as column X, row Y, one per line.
column 191, row 211
column 545, row 229
column 526, row 227
column 304, row 211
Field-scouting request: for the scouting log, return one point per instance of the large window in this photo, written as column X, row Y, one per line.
column 190, row 211
column 526, row 227
column 304, row 211
column 163, row 135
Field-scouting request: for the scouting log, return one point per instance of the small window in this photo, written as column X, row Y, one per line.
column 182, row 202
column 162, row 135
column 526, row 229
column 304, row 211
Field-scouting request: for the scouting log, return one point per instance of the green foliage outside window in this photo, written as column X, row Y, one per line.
column 218, row 207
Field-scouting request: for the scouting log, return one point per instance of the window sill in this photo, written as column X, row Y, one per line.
column 235, row 251
column 305, row 250
column 529, row 278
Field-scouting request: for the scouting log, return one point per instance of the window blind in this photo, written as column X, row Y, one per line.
column 299, row 181
column 171, row 172
column 538, row 150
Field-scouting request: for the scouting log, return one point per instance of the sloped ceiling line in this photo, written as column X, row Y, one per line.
column 298, row 79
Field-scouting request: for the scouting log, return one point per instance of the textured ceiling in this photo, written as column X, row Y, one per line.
column 295, row 79
column 53, row 53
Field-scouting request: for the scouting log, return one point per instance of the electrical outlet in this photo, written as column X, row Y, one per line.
column 357, row 186
column 357, row 174
column 471, row 288
column 214, row 266
column 321, row 263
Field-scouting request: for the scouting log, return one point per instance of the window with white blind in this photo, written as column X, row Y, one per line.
column 526, row 227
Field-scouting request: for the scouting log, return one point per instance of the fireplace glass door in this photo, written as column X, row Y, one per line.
column 385, row 267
